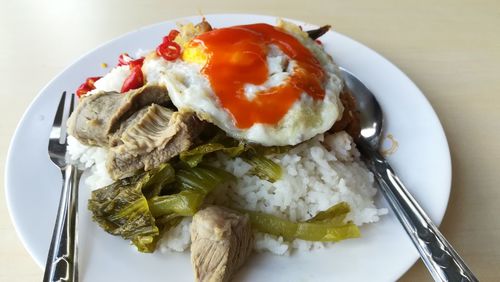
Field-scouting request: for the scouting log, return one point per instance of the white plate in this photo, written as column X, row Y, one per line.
column 383, row 253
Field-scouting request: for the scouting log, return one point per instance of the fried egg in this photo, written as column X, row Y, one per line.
column 268, row 85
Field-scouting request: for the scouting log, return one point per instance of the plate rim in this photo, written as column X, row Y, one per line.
column 23, row 120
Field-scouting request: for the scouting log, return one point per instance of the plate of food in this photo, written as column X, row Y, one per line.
column 221, row 148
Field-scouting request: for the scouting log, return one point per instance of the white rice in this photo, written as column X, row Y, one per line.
column 317, row 174
column 92, row 158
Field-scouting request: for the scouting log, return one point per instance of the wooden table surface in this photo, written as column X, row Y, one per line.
column 450, row 49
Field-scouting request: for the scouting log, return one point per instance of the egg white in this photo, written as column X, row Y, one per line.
column 190, row 89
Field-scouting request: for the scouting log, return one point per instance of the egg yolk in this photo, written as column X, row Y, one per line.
column 235, row 56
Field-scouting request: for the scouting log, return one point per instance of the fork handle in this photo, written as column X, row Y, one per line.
column 438, row 255
column 62, row 259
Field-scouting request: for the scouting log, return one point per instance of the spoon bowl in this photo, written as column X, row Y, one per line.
column 371, row 117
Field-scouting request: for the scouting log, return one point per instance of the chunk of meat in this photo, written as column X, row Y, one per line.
column 114, row 138
column 350, row 121
column 202, row 27
column 139, row 133
column 222, row 240
column 99, row 115
column 151, row 137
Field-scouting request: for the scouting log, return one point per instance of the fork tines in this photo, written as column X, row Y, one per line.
column 58, row 130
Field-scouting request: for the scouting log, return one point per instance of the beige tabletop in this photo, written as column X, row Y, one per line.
column 450, row 49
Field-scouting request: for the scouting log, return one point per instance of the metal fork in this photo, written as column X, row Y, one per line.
column 62, row 259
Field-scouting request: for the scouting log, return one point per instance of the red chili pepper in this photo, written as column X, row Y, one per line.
column 87, row 86
column 171, row 35
column 91, row 81
column 134, row 80
column 82, row 90
column 169, row 50
column 136, row 63
column 136, row 77
column 123, row 59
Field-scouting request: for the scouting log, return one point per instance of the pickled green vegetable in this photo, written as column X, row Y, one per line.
column 194, row 156
column 184, row 203
column 334, row 215
column 203, row 178
column 264, row 168
column 266, row 151
column 134, row 208
column 121, row 209
column 153, row 181
column 327, row 226
column 166, row 222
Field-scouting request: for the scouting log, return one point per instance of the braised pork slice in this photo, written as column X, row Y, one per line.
column 100, row 114
column 151, row 137
column 350, row 121
column 222, row 240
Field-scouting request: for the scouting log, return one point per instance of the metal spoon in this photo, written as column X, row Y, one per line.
column 438, row 255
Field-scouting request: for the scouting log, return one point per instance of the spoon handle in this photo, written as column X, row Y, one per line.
column 438, row 255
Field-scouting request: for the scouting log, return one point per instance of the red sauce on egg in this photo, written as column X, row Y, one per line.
column 237, row 56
